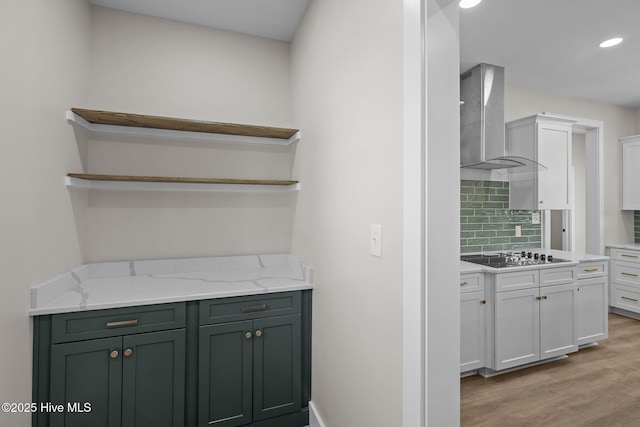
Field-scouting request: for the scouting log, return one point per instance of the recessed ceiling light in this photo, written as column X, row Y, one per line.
column 611, row 42
column 466, row 4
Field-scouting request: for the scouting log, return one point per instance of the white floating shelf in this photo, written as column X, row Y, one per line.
column 116, row 182
column 210, row 131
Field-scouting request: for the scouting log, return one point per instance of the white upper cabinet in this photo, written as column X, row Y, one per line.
column 547, row 141
column 630, row 161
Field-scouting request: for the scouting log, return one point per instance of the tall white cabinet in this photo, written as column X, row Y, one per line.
column 630, row 152
column 547, row 141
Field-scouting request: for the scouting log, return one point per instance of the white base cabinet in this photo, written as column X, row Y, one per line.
column 593, row 302
column 625, row 280
column 472, row 322
column 510, row 320
column 537, row 322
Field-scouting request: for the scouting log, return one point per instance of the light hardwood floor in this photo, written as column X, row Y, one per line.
column 597, row 386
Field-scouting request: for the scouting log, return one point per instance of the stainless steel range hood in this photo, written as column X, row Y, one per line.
column 482, row 144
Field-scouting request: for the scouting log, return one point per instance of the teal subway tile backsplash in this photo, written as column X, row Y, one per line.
column 487, row 224
column 636, row 226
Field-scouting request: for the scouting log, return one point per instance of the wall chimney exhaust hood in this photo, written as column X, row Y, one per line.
column 482, row 144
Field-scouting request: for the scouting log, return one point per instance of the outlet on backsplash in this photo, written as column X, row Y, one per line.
column 487, row 224
column 535, row 217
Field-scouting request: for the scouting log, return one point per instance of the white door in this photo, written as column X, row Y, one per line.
column 558, row 320
column 517, row 328
column 472, row 310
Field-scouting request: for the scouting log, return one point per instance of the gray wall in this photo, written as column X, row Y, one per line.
column 148, row 65
column 347, row 100
column 45, row 69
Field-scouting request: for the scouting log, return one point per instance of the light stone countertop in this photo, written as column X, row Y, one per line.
column 631, row 246
column 132, row 283
column 573, row 258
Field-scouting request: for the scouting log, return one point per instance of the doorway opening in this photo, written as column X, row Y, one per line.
column 581, row 228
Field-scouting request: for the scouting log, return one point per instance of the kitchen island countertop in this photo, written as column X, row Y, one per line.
column 574, row 258
column 133, row 283
column 631, row 246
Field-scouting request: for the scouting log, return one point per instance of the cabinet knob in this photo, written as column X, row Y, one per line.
column 114, row 354
column 544, row 297
column 258, row 333
column 128, row 352
column 247, row 335
column 483, row 301
column 541, row 201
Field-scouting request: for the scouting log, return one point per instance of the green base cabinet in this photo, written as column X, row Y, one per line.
column 112, row 368
column 128, row 381
column 238, row 361
column 251, row 367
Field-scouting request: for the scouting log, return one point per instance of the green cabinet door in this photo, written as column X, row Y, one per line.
column 153, row 379
column 87, row 372
column 277, row 366
column 129, row 381
column 225, row 377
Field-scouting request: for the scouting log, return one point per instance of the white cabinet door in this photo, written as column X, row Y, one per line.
column 592, row 309
column 558, row 320
column 630, row 150
column 517, row 328
column 554, row 152
column 546, row 140
column 472, row 337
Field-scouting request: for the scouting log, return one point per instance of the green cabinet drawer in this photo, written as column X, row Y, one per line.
column 117, row 321
column 233, row 309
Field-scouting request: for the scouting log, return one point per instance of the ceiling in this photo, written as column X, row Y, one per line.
column 274, row 19
column 545, row 45
column 552, row 46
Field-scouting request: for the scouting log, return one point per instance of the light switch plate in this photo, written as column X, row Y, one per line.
column 518, row 231
column 375, row 240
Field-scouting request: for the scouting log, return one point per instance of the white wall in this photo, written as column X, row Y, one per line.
column 45, row 66
column 618, row 122
column 443, row 215
column 155, row 66
column 347, row 99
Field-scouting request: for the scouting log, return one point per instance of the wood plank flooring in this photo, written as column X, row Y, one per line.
column 597, row 386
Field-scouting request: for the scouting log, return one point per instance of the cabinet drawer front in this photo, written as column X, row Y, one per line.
column 250, row 307
column 625, row 255
column 117, row 321
column 471, row 283
column 625, row 273
column 517, row 280
column 557, row 276
column 592, row 269
column 625, row 297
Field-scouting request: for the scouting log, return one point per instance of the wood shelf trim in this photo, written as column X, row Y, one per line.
column 138, row 124
column 135, row 182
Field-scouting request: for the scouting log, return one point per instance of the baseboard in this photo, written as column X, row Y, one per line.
column 314, row 417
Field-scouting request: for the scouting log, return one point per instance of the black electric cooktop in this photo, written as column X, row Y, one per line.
column 511, row 259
